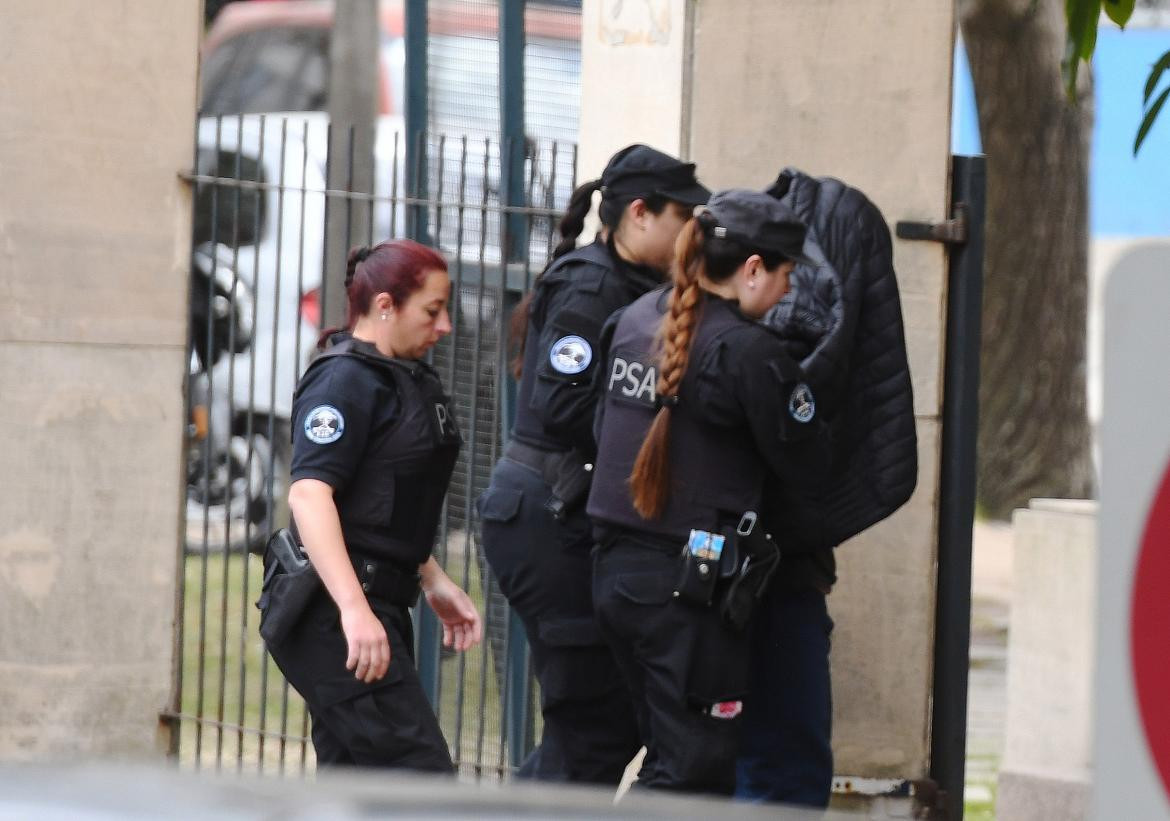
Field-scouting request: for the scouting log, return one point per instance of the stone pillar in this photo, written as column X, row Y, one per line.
column 97, row 107
column 861, row 92
column 1047, row 760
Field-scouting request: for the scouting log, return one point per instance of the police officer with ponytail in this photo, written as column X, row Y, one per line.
column 535, row 534
column 374, row 444
column 692, row 387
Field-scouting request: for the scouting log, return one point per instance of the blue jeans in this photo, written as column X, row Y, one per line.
column 785, row 752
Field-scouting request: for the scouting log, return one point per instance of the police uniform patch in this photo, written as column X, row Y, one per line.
column 570, row 354
column 324, row 424
column 801, row 404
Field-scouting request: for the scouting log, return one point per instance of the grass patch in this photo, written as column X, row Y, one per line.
column 245, row 714
column 980, row 809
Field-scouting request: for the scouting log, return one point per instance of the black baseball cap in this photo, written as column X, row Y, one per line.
column 639, row 171
column 758, row 220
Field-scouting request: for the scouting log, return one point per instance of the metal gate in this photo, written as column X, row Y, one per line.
column 262, row 198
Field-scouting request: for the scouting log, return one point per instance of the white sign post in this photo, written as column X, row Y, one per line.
column 1132, row 723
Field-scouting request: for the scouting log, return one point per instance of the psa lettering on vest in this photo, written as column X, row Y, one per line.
column 634, row 379
column 447, row 429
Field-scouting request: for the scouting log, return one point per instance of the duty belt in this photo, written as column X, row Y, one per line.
column 381, row 579
column 528, row 456
column 564, row 471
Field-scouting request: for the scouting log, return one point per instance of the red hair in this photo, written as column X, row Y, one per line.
column 396, row 267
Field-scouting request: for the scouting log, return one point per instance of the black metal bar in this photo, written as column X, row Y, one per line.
column 482, row 254
column 330, row 294
column 453, row 347
column 243, row 646
column 550, row 202
column 274, row 365
column 440, row 161
column 228, row 462
column 207, row 451
column 349, row 185
column 429, row 634
column 525, row 260
column 415, row 115
column 250, row 421
column 472, row 449
column 512, row 133
column 960, row 419
column 171, row 716
column 394, row 232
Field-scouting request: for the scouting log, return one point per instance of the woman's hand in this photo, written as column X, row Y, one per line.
column 462, row 627
column 365, row 635
column 315, row 512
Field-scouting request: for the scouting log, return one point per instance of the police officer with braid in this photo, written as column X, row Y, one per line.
column 374, row 444
column 535, row 534
column 687, row 434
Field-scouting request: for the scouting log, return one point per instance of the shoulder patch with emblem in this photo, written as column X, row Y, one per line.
column 570, row 354
column 801, row 405
column 324, row 424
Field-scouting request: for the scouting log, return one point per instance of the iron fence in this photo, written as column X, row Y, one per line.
column 262, row 197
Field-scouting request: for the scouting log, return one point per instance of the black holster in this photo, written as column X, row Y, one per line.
column 564, row 471
column 759, row 559
column 570, row 481
column 290, row 583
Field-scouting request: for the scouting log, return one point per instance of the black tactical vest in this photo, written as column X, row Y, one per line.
column 592, row 269
column 391, row 506
column 716, row 472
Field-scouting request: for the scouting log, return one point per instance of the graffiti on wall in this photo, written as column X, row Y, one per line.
column 636, row 22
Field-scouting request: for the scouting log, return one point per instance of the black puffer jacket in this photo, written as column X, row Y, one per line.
column 843, row 321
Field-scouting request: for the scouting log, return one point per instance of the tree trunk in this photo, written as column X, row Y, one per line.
column 1034, row 435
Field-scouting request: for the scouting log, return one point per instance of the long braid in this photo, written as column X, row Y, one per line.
column 650, row 479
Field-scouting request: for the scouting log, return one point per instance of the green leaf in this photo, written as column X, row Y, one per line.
column 1089, row 43
column 1119, row 11
column 1082, row 17
column 1068, row 68
column 1148, row 120
column 1156, row 72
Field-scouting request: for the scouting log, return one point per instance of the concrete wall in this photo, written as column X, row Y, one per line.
column 859, row 91
column 96, row 117
column 628, row 48
column 1047, row 760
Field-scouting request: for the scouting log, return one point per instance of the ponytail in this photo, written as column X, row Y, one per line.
column 569, row 228
column 574, row 219
column 650, row 479
column 610, row 212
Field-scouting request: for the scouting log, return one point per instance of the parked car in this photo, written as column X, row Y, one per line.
column 263, row 123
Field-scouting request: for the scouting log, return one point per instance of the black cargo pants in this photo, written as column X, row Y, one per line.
column 687, row 672
column 387, row 723
column 543, row 567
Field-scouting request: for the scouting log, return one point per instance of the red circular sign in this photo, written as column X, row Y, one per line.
column 1150, row 631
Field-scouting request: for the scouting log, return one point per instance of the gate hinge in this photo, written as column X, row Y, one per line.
column 951, row 232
